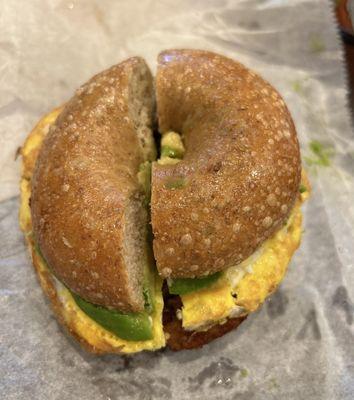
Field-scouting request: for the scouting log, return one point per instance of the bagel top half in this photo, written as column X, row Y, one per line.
column 241, row 170
column 86, row 204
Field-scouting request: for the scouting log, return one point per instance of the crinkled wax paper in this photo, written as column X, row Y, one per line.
column 300, row 345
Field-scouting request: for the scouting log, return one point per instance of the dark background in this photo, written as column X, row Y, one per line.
column 347, row 32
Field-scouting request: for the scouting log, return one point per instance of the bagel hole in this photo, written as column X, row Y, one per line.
column 157, row 138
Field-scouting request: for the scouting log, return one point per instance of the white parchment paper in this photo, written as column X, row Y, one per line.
column 300, row 345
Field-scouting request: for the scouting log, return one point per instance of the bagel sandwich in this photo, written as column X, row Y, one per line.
column 162, row 213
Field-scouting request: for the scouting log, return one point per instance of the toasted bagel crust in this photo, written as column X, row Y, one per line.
column 85, row 176
column 241, row 171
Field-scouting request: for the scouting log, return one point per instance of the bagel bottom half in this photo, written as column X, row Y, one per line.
column 268, row 271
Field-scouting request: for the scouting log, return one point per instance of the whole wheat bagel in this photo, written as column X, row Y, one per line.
column 240, row 174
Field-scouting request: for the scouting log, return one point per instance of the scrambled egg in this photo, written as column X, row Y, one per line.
column 244, row 287
column 208, row 306
column 77, row 322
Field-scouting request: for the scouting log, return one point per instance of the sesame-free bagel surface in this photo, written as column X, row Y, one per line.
column 240, row 174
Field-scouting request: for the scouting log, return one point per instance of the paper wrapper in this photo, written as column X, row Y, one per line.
column 300, row 345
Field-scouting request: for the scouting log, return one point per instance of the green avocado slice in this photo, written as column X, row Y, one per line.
column 129, row 326
column 187, row 285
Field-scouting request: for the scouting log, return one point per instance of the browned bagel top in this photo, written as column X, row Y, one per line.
column 241, row 171
column 85, row 189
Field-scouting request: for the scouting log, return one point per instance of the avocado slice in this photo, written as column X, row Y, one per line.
column 183, row 286
column 127, row 326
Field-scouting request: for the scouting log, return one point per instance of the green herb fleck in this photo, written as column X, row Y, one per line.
column 148, row 301
column 297, row 87
column 317, row 45
column 273, row 384
column 167, row 151
column 176, row 183
column 302, row 188
column 244, row 373
column 321, row 154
